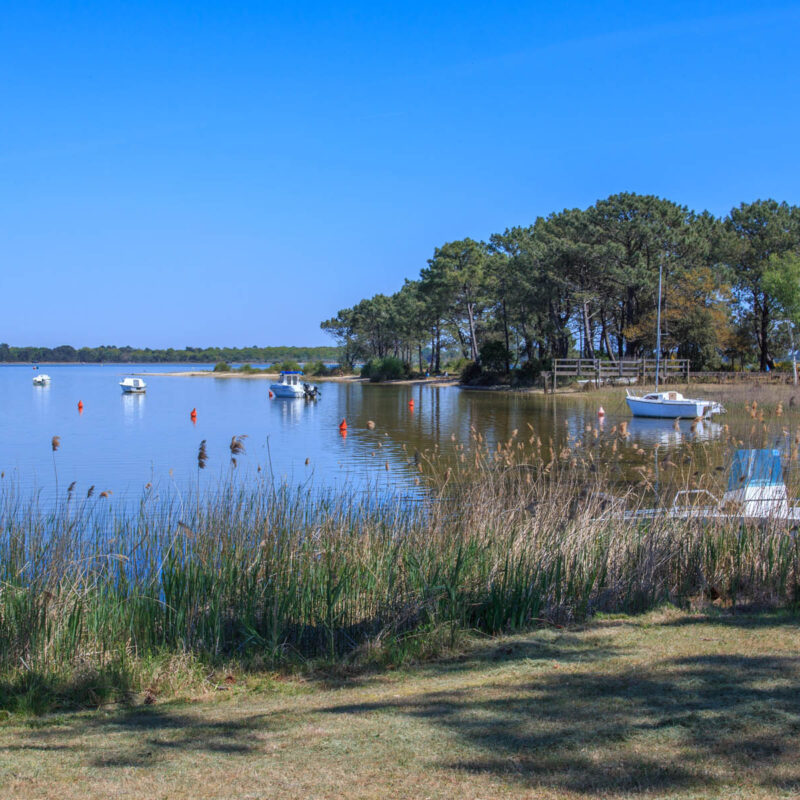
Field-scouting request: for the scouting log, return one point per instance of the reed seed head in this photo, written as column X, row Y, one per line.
column 237, row 444
column 202, row 455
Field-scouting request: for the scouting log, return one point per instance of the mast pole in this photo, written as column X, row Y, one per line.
column 658, row 321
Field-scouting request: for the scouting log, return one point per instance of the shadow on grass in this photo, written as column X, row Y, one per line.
column 147, row 736
column 571, row 716
column 567, row 646
column 681, row 723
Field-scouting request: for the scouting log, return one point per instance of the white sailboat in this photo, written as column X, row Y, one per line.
column 668, row 405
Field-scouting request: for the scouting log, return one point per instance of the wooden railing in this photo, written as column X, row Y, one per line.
column 626, row 370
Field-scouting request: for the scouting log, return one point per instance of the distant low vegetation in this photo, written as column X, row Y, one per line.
column 195, row 355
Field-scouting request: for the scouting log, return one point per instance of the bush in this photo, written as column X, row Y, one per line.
column 388, row 368
column 528, row 373
column 471, row 373
column 287, row 366
column 318, row 370
column 494, row 356
column 221, row 366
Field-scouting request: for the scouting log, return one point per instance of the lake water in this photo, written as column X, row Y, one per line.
column 119, row 443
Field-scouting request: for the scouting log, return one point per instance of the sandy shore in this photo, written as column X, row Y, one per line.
column 207, row 373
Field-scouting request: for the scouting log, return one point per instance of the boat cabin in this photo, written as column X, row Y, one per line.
column 664, row 396
column 133, row 385
column 291, row 378
column 755, row 484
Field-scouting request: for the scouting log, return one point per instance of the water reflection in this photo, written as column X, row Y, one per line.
column 41, row 397
column 133, row 406
column 672, row 433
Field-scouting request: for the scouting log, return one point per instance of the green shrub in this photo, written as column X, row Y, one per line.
column 388, row 368
column 471, row 373
column 528, row 373
column 221, row 366
column 494, row 356
column 318, row 370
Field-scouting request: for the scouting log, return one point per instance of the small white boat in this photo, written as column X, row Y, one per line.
column 671, row 405
column 290, row 384
column 133, row 386
column 41, row 380
column 756, row 492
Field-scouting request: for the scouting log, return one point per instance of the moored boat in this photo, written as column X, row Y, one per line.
column 41, row 380
column 290, row 384
column 133, row 385
column 671, row 405
column 756, row 492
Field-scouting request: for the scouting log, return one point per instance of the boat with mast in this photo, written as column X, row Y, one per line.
column 669, row 404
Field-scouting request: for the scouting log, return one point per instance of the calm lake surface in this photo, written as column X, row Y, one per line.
column 122, row 442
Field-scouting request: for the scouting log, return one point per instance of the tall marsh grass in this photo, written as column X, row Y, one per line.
column 503, row 539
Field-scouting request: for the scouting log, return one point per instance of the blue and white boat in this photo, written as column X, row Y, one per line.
column 756, row 492
column 290, row 384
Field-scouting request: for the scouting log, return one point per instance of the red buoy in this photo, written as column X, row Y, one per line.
column 80, row 406
column 601, row 412
column 270, row 394
column 343, row 425
column 193, row 415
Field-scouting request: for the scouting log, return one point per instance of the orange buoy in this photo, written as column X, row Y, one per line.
column 193, row 415
column 411, row 405
column 343, row 425
column 270, row 394
column 601, row 412
column 80, row 405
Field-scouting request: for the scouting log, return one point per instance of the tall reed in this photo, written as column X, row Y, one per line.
column 502, row 539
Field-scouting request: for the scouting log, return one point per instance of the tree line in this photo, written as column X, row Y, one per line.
column 200, row 355
column 585, row 282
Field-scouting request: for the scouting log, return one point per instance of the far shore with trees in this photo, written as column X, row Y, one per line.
column 111, row 354
column 585, row 283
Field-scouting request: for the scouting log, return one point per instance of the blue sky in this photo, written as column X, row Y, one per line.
column 201, row 173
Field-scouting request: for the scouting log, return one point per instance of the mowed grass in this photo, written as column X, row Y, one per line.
column 667, row 704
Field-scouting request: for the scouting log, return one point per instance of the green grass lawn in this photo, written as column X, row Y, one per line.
column 663, row 705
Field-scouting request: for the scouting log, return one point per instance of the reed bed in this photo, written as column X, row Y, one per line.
column 502, row 539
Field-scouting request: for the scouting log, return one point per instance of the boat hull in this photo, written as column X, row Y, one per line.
column 667, row 409
column 286, row 390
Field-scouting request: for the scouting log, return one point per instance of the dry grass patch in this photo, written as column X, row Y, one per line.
column 663, row 705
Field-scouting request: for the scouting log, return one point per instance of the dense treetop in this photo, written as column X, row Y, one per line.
column 585, row 282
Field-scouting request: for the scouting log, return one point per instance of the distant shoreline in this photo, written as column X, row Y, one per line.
column 207, row 373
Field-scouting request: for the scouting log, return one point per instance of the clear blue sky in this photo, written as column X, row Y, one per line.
column 204, row 173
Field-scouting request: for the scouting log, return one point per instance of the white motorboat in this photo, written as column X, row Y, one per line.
column 671, row 405
column 41, row 380
column 133, row 386
column 756, row 492
column 290, row 384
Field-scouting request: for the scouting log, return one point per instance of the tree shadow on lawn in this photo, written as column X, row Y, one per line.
column 144, row 736
column 147, row 736
column 682, row 723
column 566, row 646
